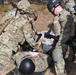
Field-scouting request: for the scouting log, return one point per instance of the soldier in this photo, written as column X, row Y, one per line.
column 17, row 32
column 66, row 25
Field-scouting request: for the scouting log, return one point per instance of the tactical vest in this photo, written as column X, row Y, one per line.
column 4, row 25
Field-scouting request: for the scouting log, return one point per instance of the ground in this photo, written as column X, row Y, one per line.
column 44, row 19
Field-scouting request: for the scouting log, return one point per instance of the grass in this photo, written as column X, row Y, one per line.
column 4, row 8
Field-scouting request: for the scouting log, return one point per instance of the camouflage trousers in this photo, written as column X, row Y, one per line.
column 57, row 55
column 6, row 63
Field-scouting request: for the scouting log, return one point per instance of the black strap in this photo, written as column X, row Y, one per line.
column 16, row 12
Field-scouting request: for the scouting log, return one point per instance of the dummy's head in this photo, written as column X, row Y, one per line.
column 27, row 66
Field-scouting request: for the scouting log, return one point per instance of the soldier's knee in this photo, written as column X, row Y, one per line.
column 57, row 55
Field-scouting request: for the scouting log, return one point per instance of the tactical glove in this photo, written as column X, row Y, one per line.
column 56, row 40
column 39, row 36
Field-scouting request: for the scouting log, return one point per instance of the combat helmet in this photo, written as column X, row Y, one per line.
column 27, row 66
column 23, row 4
column 32, row 12
column 52, row 3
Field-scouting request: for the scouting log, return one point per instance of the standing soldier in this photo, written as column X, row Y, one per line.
column 66, row 25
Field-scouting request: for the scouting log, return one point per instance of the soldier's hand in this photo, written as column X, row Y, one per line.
column 33, row 54
column 41, row 40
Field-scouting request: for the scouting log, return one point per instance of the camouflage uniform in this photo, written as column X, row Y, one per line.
column 9, row 14
column 17, row 31
column 41, row 61
column 66, row 25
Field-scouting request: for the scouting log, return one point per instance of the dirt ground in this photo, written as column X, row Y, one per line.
column 44, row 19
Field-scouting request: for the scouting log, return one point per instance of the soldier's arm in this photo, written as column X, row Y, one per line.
column 57, row 27
column 29, row 38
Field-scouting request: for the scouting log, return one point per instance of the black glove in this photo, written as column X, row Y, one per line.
column 56, row 40
column 39, row 36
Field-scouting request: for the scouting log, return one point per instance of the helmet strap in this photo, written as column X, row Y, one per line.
column 54, row 9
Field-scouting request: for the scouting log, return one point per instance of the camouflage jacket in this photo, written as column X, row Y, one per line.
column 67, row 23
column 16, row 32
column 11, row 13
column 64, row 26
